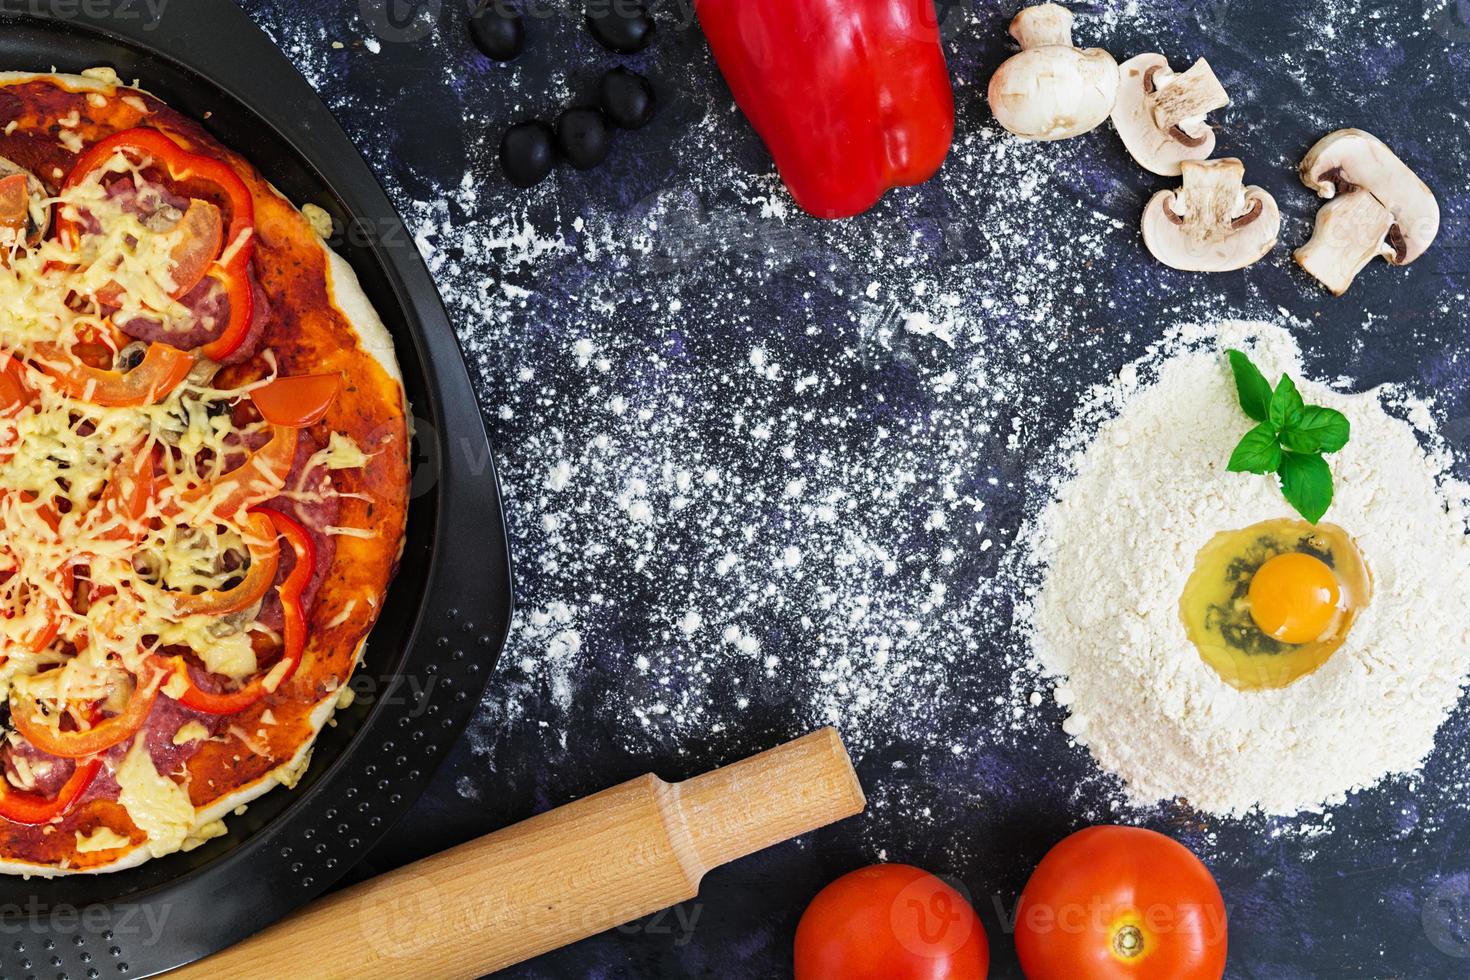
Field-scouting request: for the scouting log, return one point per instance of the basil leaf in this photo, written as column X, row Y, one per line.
column 1251, row 386
column 1286, row 405
column 1320, row 430
column 1306, row 482
column 1258, row 452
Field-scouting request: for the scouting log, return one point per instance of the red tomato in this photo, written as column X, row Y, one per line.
column 15, row 204
column 1121, row 903
column 15, row 394
column 299, row 401
column 201, row 235
column 890, row 922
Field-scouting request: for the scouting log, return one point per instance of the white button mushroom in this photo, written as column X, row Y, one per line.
column 1214, row 223
column 1052, row 90
column 1377, row 206
column 1352, row 230
column 1161, row 115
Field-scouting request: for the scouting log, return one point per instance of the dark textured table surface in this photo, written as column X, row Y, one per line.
column 762, row 473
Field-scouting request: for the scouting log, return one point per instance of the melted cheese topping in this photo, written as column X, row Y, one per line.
column 190, row 731
column 159, row 806
column 205, row 832
column 319, row 219
column 101, row 839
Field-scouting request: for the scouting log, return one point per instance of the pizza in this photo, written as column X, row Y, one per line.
column 203, row 477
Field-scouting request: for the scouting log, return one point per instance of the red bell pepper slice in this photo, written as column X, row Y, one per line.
column 265, row 558
column 257, row 479
column 162, row 369
column 30, row 808
column 231, row 268
column 852, row 98
column 293, row 607
column 81, row 743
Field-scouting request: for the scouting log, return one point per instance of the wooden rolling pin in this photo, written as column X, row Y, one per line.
column 557, row 877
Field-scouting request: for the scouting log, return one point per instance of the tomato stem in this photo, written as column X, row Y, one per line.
column 1128, row 942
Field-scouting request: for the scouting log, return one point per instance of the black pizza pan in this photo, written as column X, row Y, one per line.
column 445, row 617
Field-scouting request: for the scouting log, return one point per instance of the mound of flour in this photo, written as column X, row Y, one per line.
column 1143, row 487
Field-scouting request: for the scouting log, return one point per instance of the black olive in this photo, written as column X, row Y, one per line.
column 528, row 152
column 627, row 98
column 131, row 356
column 624, row 26
column 498, row 29
column 583, row 137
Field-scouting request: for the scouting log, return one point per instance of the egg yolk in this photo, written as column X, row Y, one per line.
column 1295, row 598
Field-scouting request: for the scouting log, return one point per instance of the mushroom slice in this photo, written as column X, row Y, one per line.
column 1161, row 115
column 1052, row 90
column 1352, row 230
column 1350, row 159
column 1214, row 223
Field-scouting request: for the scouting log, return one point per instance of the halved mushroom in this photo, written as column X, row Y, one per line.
column 1052, row 90
column 1161, row 115
column 24, row 216
column 1214, row 223
column 1348, row 163
column 1352, row 230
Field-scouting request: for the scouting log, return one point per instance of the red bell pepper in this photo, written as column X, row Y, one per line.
column 31, row 808
column 265, row 558
column 261, row 476
column 852, row 97
column 103, row 734
column 293, row 608
column 189, row 171
column 162, row 369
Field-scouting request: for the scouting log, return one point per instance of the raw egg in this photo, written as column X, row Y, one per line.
column 1271, row 603
column 1295, row 598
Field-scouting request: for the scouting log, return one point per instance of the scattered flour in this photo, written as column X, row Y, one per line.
column 914, row 366
column 1144, row 490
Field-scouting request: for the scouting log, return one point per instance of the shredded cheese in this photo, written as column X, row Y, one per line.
column 366, row 533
